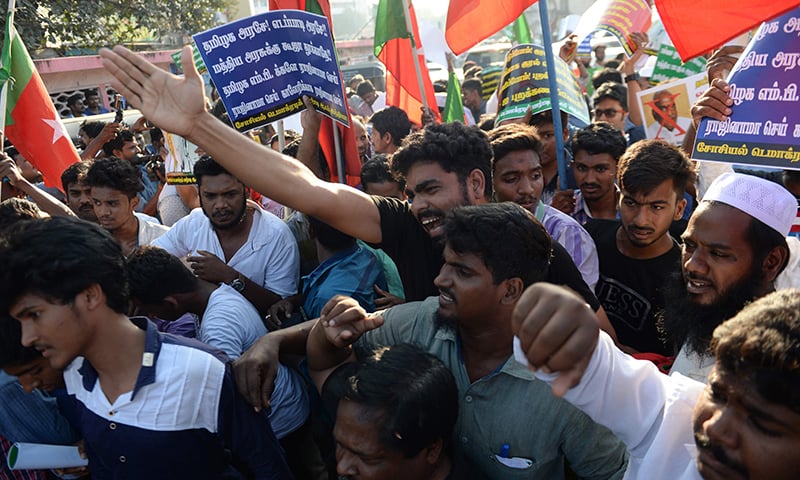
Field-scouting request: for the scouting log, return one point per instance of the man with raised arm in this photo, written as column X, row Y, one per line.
column 444, row 166
column 743, row 423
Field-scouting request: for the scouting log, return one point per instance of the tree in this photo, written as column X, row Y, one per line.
column 90, row 24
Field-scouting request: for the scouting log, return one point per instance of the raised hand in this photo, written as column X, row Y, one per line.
column 557, row 331
column 172, row 103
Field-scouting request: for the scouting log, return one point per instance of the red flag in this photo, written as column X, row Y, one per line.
column 32, row 123
column 698, row 27
column 352, row 160
column 394, row 48
column 471, row 21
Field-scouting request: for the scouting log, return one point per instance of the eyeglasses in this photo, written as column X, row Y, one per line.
column 605, row 112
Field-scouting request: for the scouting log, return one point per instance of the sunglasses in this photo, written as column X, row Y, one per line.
column 607, row 112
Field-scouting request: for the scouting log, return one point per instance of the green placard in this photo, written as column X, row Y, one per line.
column 669, row 66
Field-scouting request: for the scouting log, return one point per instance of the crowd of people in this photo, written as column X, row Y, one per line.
column 458, row 315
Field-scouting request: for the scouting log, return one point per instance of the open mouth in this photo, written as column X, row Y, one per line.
column 431, row 223
column 697, row 286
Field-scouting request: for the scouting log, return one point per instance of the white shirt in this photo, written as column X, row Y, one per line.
column 269, row 257
column 649, row 411
column 232, row 324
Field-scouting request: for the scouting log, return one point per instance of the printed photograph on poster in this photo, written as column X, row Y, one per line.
column 666, row 108
column 179, row 165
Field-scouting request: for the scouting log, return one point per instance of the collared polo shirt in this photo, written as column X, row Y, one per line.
column 508, row 407
column 183, row 419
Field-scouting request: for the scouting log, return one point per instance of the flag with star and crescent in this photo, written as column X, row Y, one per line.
column 32, row 123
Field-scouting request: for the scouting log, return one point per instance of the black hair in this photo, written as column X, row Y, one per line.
column 473, row 84
column 12, row 353
column 543, row 118
column 154, row 274
column 413, row 392
column 156, row 135
column 74, row 173
column 328, row 236
column 218, row 110
column 377, row 170
column 393, row 120
column 611, row 90
column 512, row 138
column 364, row 88
column 761, row 346
column 599, row 137
column 74, row 98
column 208, row 167
column 453, row 146
column 92, row 129
column 111, row 172
column 648, row 163
column 58, row 258
column 606, row 75
column 13, row 209
column 123, row 136
column 508, row 238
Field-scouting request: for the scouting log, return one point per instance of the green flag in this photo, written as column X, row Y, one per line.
column 521, row 31
column 390, row 23
column 453, row 106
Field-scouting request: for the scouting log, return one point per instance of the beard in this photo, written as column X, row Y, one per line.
column 445, row 322
column 233, row 222
column 683, row 322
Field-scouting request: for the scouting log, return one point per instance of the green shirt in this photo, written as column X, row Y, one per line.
column 509, row 407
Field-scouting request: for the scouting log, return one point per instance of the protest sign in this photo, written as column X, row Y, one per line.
column 617, row 17
column 524, row 85
column 262, row 66
column 179, row 165
column 666, row 108
column 669, row 65
column 764, row 126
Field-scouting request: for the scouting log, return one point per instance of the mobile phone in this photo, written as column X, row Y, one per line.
column 119, row 105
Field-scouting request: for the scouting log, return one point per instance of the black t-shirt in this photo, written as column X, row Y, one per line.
column 631, row 290
column 419, row 261
column 409, row 245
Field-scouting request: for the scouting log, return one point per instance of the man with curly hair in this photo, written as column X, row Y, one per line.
column 115, row 186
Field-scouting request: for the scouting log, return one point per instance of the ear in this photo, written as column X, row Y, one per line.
column 92, row 297
column 514, row 289
column 134, row 202
column 387, row 138
column 476, row 183
column 775, row 259
column 433, row 452
column 679, row 209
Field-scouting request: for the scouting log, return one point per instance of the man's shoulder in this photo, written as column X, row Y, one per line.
column 265, row 221
column 555, row 221
column 409, row 322
column 226, row 302
column 602, row 230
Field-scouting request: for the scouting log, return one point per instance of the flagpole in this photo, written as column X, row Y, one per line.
column 4, row 88
column 415, row 54
column 337, row 147
column 281, row 136
column 552, row 80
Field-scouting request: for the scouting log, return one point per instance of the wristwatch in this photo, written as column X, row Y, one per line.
column 633, row 77
column 237, row 283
